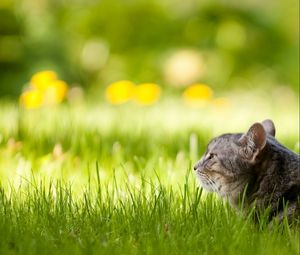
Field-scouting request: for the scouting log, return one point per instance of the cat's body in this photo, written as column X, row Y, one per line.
column 254, row 167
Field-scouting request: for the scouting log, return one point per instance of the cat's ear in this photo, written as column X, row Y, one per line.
column 269, row 127
column 253, row 141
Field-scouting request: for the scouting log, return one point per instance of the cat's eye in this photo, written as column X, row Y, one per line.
column 211, row 156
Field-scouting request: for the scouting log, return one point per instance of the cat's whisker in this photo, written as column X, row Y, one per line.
column 213, row 184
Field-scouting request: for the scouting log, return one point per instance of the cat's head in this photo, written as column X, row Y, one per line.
column 227, row 165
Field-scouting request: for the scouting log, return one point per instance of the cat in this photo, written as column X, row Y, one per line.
column 254, row 168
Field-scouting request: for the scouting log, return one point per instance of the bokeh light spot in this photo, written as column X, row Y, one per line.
column 231, row 35
column 94, row 55
column 184, row 67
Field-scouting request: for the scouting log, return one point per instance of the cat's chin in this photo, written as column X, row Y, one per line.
column 209, row 188
column 205, row 185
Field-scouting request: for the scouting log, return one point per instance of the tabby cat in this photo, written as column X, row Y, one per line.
column 253, row 167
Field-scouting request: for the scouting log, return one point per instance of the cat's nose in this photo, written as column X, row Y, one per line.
column 197, row 165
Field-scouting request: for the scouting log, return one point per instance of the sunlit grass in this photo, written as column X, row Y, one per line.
column 95, row 178
column 150, row 218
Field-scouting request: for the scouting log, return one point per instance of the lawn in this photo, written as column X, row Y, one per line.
column 90, row 178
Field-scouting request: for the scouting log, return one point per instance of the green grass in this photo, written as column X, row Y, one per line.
column 96, row 179
column 152, row 219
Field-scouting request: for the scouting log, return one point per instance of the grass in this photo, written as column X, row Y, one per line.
column 104, row 222
column 96, row 179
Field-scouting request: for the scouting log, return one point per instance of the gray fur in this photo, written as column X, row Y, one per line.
column 255, row 165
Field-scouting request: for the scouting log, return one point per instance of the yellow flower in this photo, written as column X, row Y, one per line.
column 119, row 92
column 41, row 80
column 198, row 95
column 55, row 92
column 45, row 89
column 31, row 99
column 147, row 93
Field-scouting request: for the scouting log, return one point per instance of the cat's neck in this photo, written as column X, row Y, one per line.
column 276, row 159
column 276, row 171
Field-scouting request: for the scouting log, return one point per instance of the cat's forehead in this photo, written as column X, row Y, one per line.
column 223, row 142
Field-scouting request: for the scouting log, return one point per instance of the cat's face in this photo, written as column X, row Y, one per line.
column 222, row 169
column 226, row 166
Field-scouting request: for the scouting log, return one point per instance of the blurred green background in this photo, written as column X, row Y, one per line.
column 227, row 44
